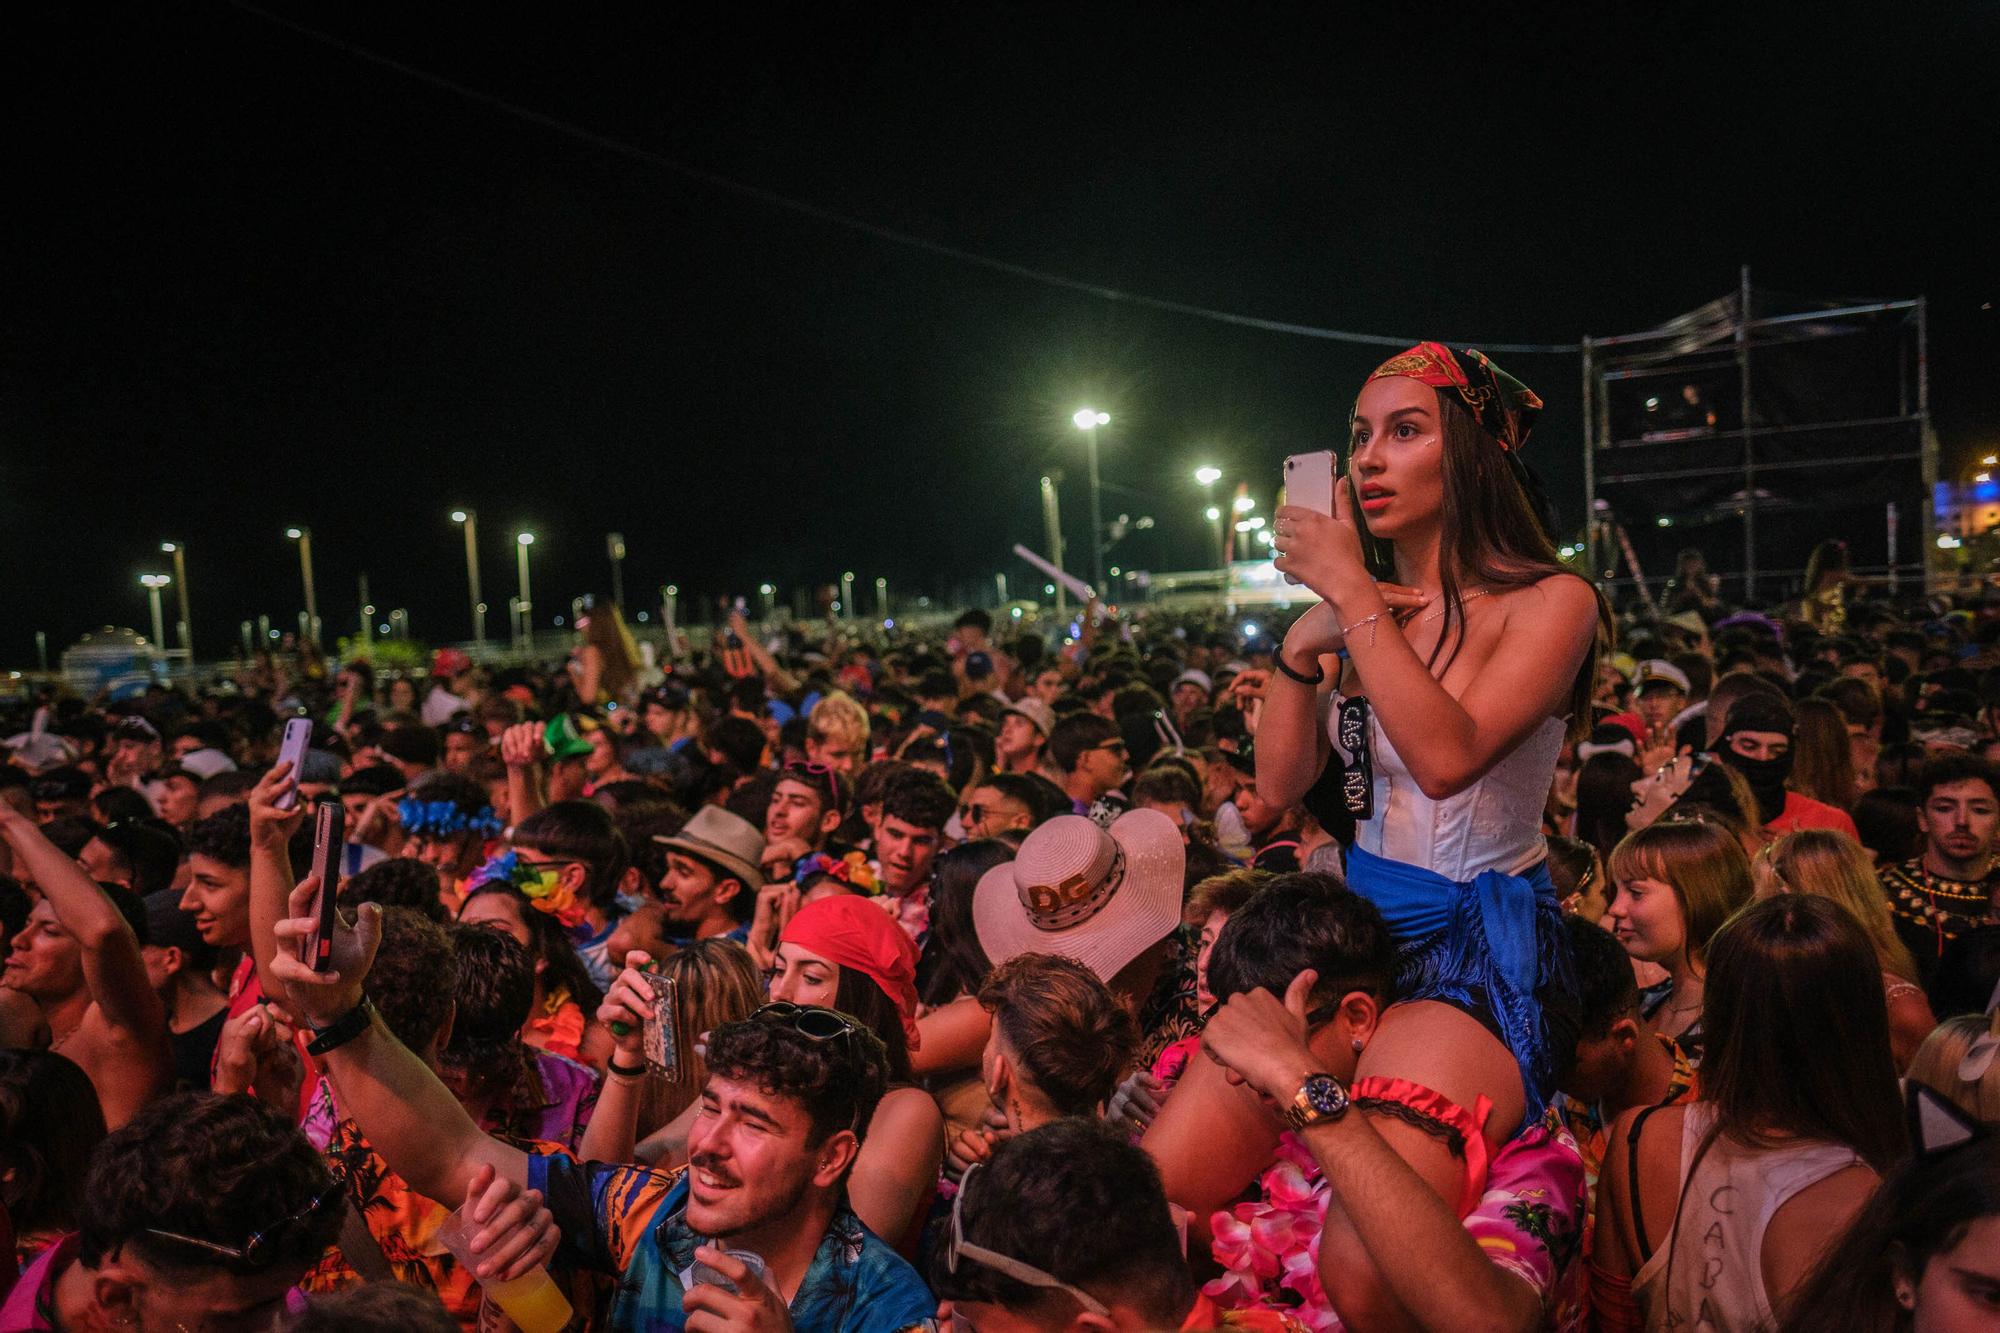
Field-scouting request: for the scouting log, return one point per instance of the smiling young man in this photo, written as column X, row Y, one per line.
column 807, row 805
column 789, row 1096
column 1951, row 888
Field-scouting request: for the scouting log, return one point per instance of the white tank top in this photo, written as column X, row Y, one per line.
column 1495, row 824
column 1717, row 1280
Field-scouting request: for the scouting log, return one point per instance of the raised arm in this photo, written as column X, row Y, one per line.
column 614, row 1125
column 774, row 675
column 521, row 748
column 406, row 1114
column 113, row 969
column 1448, row 743
column 271, row 882
column 1427, row 1263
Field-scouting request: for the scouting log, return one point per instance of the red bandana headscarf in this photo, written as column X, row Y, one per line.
column 854, row 932
column 1504, row 407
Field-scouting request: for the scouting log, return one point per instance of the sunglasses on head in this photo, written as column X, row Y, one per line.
column 261, row 1239
column 807, row 1020
column 817, row 776
column 960, row 1248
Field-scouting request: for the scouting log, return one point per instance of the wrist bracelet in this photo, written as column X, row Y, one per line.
column 343, row 1029
column 1348, row 630
column 616, row 1070
column 1278, row 661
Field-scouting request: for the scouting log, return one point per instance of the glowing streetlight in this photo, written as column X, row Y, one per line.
column 1208, row 476
column 469, row 520
column 1243, row 504
column 1088, row 420
column 152, row 584
column 178, row 550
column 304, row 537
column 524, row 606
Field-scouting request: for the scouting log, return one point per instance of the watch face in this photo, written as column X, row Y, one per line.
column 1325, row 1095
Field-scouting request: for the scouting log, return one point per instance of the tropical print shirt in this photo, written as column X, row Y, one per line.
column 631, row 1222
column 1529, row 1222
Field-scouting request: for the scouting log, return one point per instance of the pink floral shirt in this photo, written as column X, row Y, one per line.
column 1529, row 1222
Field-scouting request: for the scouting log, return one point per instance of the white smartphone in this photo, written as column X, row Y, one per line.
column 298, row 739
column 1309, row 481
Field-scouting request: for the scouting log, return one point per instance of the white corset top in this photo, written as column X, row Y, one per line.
column 1495, row 824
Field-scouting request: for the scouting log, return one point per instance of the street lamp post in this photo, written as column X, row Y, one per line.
column 847, row 595
column 767, row 596
column 882, row 599
column 525, row 603
column 1206, row 476
column 614, row 546
column 153, row 583
column 470, row 521
column 1088, row 420
column 178, row 550
column 1052, row 520
column 304, row 537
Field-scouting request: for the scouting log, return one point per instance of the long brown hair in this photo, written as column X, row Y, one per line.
column 1822, row 758
column 1489, row 533
column 1829, row 864
column 1798, row 1032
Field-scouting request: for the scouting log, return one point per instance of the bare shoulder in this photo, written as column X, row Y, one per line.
column 1563, row 595
column 906, row 1111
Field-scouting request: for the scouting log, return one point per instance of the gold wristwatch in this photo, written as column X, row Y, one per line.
column 1319, row 1098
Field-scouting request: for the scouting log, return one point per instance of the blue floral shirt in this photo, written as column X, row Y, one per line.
column 631, row 1222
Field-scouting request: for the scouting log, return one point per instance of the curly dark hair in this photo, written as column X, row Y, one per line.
column 1077, row 1200
column 220, row 1169
column 50, row 1123
column 223, row 837
column 839, row 1081
column 1301, row 921
column 376, row 1307
column 397, row 881
column 919, row 798
column 413, row 977
column 495, row 996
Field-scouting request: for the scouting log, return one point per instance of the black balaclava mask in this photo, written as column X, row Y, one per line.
column 1760, row 712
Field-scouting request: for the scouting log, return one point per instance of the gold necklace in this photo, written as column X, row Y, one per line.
column 1477, row 592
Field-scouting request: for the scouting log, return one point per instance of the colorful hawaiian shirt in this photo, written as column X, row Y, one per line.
column 1529, row 1222
column 631, row 1223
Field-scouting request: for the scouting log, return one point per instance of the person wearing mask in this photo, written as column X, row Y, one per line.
column 1756, row 741
column 1950, row 888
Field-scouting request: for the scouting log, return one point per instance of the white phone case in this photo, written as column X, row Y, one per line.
column 1309, row 481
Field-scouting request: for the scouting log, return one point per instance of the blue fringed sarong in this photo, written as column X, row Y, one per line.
column 1493, row 947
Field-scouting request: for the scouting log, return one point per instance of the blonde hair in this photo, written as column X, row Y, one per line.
column 1935, row 1065
column 1700, row 860
column 839, row 718
column 715, row 982
column 1829, row 864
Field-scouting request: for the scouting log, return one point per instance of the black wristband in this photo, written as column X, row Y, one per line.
column 343, row 1029
column 1278, row 661
column 611, row 1066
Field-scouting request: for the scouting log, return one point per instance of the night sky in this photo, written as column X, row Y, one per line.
column 257, row 280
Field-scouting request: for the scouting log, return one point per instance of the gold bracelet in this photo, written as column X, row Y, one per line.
column 1347, row 632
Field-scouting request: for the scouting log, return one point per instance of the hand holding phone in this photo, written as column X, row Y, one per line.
column 298, row 739
column 329, row 840
column 1309, row 481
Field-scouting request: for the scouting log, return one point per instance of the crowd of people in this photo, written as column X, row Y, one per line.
column 1468, row 955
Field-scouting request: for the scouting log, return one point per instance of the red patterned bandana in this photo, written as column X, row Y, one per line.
column 1504, row 407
